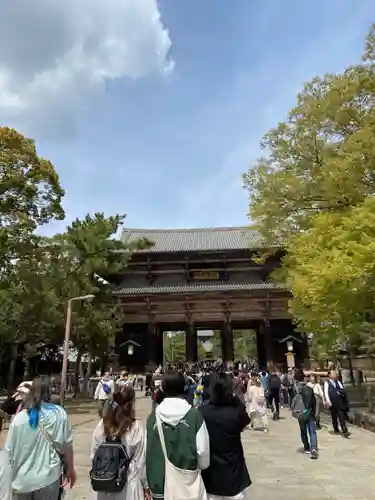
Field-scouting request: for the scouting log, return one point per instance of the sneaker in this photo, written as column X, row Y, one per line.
column 265, row 431
column 314, row 454
column 306, row 451
column 346, row 434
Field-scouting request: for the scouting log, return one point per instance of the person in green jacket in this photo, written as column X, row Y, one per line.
column 185, row 434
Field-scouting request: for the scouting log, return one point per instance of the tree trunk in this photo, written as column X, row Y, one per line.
column 26, row 370
column 88, row 374
column 104, row 362
column 77, row 370
column 351, row 369
column 12, row 368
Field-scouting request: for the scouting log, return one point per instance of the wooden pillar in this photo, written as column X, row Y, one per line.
column 227, row 345
column 261, row 346
column 264, row 344
column 191, row 343
column 152, row 343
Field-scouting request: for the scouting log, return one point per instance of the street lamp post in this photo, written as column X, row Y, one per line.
column 68, row 325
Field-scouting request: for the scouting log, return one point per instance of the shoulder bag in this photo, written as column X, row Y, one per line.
column 180, row 484
column 61, row 456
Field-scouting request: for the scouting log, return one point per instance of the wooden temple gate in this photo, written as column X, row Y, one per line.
column 206, row 279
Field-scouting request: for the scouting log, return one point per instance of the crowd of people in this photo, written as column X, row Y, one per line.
column 190, row 447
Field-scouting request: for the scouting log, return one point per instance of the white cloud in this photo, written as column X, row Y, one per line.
column 55, row 54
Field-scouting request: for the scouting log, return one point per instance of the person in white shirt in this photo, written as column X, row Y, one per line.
column 256, row 403
column 104, row 389
column 336, row 400
column 5, row 477
column 319, row 397
column 123, row 381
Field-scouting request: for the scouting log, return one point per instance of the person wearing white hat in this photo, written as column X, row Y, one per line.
column 5, row 477
column 20, row 395
column 14, row 403
column 22, row 389
column 17, row 400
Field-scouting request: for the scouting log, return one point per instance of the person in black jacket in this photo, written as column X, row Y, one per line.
column 307, row 423
column 226, row 418
column 274, row 388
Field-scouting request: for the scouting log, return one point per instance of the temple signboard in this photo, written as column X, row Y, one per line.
column 205, row 275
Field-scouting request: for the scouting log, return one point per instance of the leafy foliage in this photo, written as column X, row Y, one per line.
column 30, row 194
column 87, row 251
column 313, row 191
column 39, row 275
column 38, row 286
column 334, row 270
column 321, row 159
column 244, row 346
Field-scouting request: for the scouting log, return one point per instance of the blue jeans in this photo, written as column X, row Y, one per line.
column 309, row 427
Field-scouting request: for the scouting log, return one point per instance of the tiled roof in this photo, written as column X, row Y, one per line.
column 253, row 282
column 196, row 240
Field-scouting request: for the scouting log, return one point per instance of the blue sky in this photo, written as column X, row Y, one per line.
column 161, row 120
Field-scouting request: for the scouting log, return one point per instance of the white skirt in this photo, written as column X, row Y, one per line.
column 240, row 496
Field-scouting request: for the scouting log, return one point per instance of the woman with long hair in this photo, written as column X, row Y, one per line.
column 256, row 400
column 119, row 422
column 38, row 442
column 226, row 417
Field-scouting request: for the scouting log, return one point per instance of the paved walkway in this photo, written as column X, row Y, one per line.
column 278, row 468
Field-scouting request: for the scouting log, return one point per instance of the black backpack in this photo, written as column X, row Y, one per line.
column 110, row 467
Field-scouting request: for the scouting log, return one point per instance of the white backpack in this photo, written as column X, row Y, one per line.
column 180, row 484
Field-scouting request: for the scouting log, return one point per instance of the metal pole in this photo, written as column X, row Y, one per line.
column 64, row 370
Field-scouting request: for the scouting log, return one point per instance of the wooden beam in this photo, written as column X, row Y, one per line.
column 269, row 303
column 206, row 317
column 182, row 270
column 211, row 259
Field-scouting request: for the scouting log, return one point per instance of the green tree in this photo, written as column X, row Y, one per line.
column 39, row 285
column 245, row 344
column 31, row 315
column 330, row 269
column 89, row 253
column 30, row 194
column 174, row 346
column 321, row 159
column 313, row 193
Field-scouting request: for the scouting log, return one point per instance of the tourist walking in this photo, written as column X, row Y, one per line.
column 177, row 445
column 119, row 424
column 256, row 403
column 239, row 388
column 263, row 377
column 290, row 381
column 39, row 436
column 15, row 403
column 5, row 477
column 227, row 476
column 336, row 399
column 206, row 383
column 274, row 388
column 122, row 381
column 103, row 390
column 303, row 409
column 319, row 397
